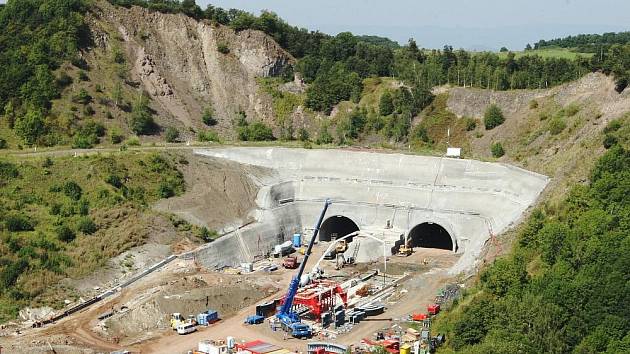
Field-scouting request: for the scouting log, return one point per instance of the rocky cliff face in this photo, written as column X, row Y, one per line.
column 177, row 61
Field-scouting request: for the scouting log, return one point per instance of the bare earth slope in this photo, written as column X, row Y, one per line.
column 177, row 62
column 585, row 106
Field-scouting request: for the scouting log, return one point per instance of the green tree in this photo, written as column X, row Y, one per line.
column 141, row 117
column 493, row 117
column 30, row 126
column 303, row 134
column 385, row 105
column 324, row 136
column 208, row 117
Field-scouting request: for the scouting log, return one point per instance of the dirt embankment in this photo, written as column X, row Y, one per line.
column 176, row 59
column 218, row 193
column 147, row 313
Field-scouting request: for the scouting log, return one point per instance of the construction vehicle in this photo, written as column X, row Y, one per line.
column 404, row 251
column 290, row 262
column 289, row 319
column 176, row 320
column 186, row 327
column 341, row 246
column 254, row 319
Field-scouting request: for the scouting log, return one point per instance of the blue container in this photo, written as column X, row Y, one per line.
column 212, row 316
column 297, row 240
column 202, row 319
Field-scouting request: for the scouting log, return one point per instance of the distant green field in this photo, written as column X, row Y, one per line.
column 549, row 53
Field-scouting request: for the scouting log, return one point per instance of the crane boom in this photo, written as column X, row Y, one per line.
column 285, row 312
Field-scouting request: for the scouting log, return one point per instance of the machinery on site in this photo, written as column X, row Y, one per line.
column 405, row 250
column 341, row 246
column 290, row 262
column 290, row 321
column 176, row 320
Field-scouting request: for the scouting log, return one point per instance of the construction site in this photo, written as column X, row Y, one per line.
column 344, row 250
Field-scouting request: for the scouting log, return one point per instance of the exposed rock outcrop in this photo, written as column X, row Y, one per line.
column 179, row 64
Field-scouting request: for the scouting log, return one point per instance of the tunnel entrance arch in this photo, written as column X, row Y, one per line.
column 431, row 235
column 337, row 226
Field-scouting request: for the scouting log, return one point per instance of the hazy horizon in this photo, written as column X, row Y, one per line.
column 479, row 25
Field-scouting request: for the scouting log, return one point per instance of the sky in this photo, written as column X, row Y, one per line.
column 468, row 24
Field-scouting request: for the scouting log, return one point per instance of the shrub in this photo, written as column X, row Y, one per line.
column 133, row 141
column 571, row 110
column 257, row 131
column 497, row 150
column 17, row 223
column 64, row 80
column 470, row 124
column 65, row 233
column 208, row 135
column 557, row 125
column 208, row 117
column 303, row 134
column 83, row 97
column 609, row 141
column 207, row 235
column 47, row 162
column 420, row 133
column 223, row 48
column 3, row 143
column 114, row 181
column 86, row 226
column 324, row 136
column 84, row 207
column 141, row 117
column 72, row 190
column 493, row 117
column 171, row 135
column 115, row 136
column 8, row 171
column 88, row 111
column 386, row 105
column 612, row 126
column 165, row 190
column 83, row 76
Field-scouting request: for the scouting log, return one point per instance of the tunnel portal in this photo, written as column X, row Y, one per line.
column 431, row 235
column 336, row 227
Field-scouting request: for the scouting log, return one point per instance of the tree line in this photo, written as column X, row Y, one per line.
column 586, row 43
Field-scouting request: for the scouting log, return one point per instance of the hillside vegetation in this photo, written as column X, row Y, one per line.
column 66, row 217
column 564, row 288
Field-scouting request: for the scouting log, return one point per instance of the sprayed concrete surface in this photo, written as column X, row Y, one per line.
column 386, row 195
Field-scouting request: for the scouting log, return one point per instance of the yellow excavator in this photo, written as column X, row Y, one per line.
column 341, row 246
column 405, row 250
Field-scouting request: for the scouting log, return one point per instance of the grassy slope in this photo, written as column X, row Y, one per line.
column 549, row 53
column 38, row 195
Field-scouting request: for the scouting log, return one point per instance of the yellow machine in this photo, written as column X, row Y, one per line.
column 341, row 246
column 176, row 320
column 405, row 251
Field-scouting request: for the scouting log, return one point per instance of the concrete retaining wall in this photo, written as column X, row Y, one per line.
column 468, row 198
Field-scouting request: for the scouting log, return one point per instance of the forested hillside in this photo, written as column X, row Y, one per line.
column 564, row 288
column 45, row 42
